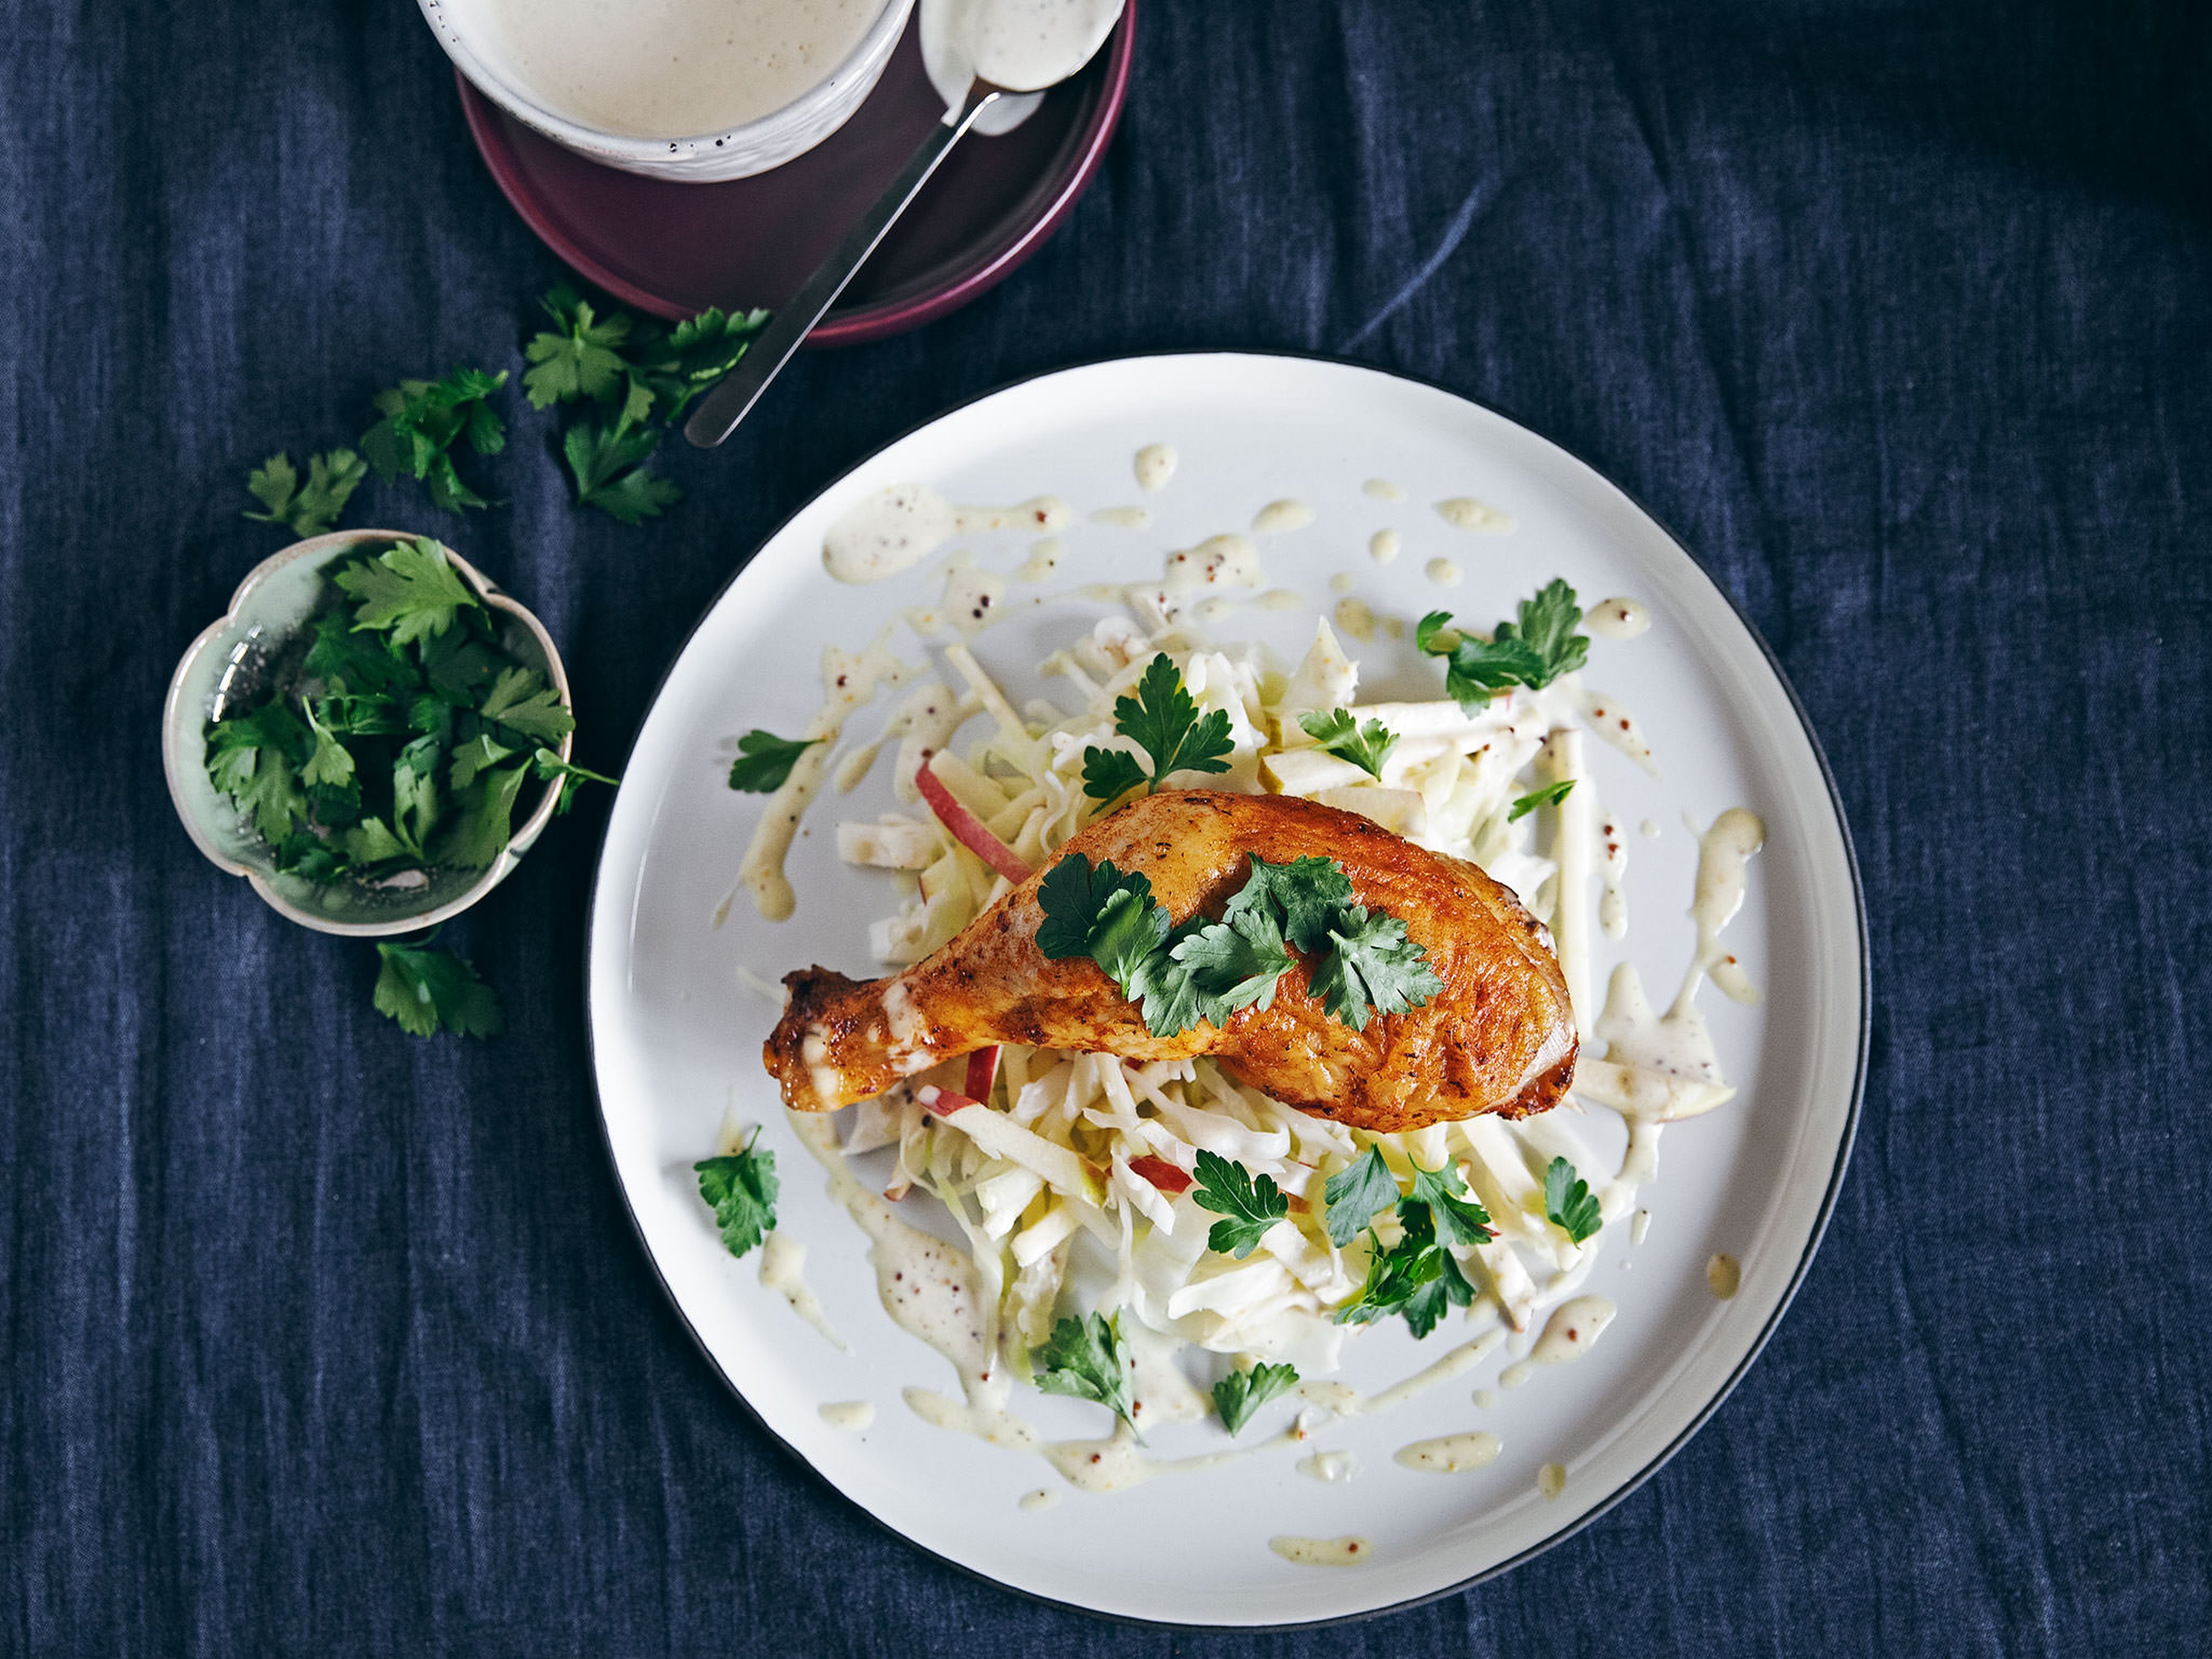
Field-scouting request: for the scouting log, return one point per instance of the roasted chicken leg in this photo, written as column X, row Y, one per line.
column 1498, row 1037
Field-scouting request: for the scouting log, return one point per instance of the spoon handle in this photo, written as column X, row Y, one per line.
column 732, row 398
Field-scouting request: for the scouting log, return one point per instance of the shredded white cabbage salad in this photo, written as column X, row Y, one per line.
column 1077, row 1171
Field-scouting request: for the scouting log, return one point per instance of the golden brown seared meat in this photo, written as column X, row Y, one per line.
column 1499, row 1038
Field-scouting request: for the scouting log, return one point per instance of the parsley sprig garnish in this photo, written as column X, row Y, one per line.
column 1417, row 1276
column 423, row 419
column 1365, row 745
column 1550, row 795
column 639, row 374
column 428, row 990
column 1087, row 1358
column 1240, row 1394
column 311, row 509
column 1569, row 1203
column 1163, row 720
column 1359, row 962
column 1249, row 1207
column 1532, row 652
column 740, row 1188
column 1355, row 1192
column 764, row 761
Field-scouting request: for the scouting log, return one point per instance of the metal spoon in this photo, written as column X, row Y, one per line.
column 729, row 403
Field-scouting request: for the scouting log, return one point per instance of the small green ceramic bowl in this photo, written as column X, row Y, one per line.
column 226, row 662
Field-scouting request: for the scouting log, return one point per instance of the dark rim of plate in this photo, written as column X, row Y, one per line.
column 1751, row 1355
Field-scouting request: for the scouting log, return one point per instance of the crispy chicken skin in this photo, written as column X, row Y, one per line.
column 1499, row 1038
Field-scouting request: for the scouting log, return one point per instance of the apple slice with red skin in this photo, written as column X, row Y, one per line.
column 970, row 831
column 1161, row 1173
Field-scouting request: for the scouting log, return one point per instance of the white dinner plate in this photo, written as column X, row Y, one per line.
column 676, row 1035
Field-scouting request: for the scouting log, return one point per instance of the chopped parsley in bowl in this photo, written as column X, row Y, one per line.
column 373, row 736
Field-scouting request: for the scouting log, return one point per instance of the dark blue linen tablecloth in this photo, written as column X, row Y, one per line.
column 318, row 1338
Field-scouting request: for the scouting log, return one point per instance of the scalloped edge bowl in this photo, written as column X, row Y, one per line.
column 275, row 597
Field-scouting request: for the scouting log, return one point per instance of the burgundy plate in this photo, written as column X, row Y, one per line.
column 673, row 249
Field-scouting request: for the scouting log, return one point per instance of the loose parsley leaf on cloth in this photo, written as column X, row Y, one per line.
column 1375, row 967
column 652, row 370
column 1569, row 1203
column 764, row 761
column 1240, row 1394
column 1355, row 1192
column 1550, row 795
column 408, row 590
column 311, row 509
column 550, row 766
column 1532, row 652
column 423, row 419
column 643, row 371
column 683, row 363
column 604, row 458
column 741, row 1190
column 425, row 989
column 1162, row 719
column 1365, row 746
column 582, row 360
column 1248, row 1208
column 1086, row 1357
column 1460, row 1217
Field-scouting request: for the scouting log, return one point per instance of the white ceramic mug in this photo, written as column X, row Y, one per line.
column 735, row 152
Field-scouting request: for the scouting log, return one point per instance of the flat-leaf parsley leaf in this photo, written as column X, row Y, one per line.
column 764, row 761
column 1163, row 720
column 605, row 457
column 1087, row 1358
column 1460, row 1217
column 423, row 419
column 580, row 360
column 425, row 989
column 1550, row 795
column 408, row 590
column 741, row 1187
column 1569, row 1203
column 1355, row 1192
column 1375, row 967
column 1240, row 1394
column 1532, row 652
column 1248, row 1208
column 550, row 766
column 1367, row 746
column 312, row 509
